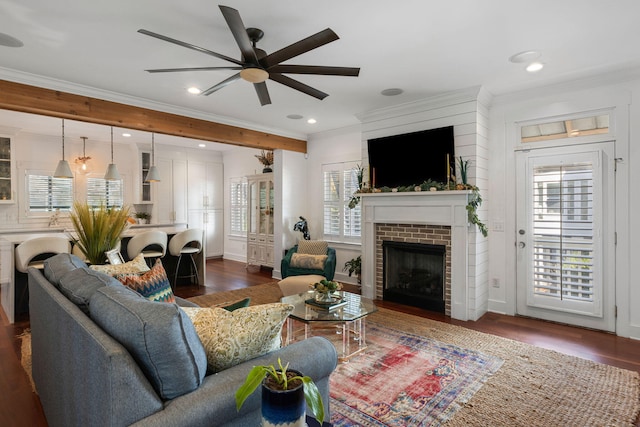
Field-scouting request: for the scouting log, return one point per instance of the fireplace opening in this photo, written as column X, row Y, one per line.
column 414, row 274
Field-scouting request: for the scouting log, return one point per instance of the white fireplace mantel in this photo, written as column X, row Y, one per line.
column 446, row 208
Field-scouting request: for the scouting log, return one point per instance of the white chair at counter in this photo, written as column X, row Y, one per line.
column 34, row 248
column 188, row 242
column 152, row 239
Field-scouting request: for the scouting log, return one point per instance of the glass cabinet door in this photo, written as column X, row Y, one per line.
column 264, row 205
column 270, row 213
column 254, row 207
column 6, row 192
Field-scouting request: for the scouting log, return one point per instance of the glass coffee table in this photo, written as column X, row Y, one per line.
column 344, row 325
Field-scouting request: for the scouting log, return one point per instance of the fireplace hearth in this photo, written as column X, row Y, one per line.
column 414, row 274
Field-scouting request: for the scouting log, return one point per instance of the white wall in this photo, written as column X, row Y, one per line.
column 342, row 145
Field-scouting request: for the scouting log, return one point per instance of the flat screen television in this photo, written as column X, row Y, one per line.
column 411, row 158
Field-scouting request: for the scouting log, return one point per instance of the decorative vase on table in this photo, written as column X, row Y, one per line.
column 285, row 408
column 323, row 297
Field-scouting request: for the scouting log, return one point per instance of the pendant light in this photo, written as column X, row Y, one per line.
column 63, row 170
column 112, row 170
column 82, row 162
column 153, row 175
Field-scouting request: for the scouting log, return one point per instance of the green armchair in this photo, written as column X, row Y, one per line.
column 328, row 271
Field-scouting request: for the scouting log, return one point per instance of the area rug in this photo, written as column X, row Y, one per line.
column 404, row 379
column 533, row 387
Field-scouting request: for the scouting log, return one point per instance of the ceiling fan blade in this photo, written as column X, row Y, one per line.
column 315, row 69
column 176, row 70
column 189, row 46
column 234, row 21
column 294, row 84
column 263, row 93
column 300, row 47
column 221, row 85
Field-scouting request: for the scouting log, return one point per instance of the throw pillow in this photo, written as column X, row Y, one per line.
column 293, row 285
column 310, row 262
column 58, row 265
column 153, row 285
column 160, row 337
column 312, row 247
column 230, row 338
column 135, row 266
column 79, row 285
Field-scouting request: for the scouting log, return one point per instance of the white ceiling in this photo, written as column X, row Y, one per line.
column 424, row 47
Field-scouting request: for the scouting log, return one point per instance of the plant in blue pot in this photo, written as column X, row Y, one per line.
column 285, row 395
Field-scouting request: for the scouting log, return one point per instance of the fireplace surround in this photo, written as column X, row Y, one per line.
column 437, row 208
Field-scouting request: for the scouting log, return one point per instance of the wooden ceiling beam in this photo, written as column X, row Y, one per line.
column 47, row 102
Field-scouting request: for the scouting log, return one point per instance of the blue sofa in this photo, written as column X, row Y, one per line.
column 85, row 377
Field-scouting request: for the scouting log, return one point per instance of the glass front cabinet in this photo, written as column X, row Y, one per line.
column 260, row 210
column 7, row 183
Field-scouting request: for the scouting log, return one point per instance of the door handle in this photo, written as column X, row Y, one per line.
column 521, row 245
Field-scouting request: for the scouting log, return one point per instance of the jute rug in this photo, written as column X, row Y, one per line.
column 533, row 387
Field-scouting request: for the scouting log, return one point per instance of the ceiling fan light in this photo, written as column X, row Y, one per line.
column 254, row 75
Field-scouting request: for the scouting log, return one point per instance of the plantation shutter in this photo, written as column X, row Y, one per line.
column 47, row 194
column 238, row 208
column 351, row 216
column 563, row 231
column 102, row 192
column 332, row 203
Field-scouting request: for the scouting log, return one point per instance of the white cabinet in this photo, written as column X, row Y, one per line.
column 260, row 210
column 205, row 201
column 170, row 192
column 7, row 182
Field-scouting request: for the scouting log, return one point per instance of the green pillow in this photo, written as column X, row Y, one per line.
column 236, row 305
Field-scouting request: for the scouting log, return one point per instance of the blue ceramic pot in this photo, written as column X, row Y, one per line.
column 283, row 408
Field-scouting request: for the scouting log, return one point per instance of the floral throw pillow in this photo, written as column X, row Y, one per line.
column 233, row 337
column 153, row 285
column 135, row 266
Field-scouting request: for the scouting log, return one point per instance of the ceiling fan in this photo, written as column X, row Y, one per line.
column 256, row 66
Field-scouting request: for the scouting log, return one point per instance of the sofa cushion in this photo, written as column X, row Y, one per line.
column 293, row 285
column 230, row 338
column 78, row 285
column 58, row 265
column 159, row 336
column 135, row 266
column 307, row 261
column 313, row 247
column 153, row 284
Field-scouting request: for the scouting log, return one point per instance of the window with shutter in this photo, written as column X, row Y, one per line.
column 238, row 206
column 48, row 194
column 102, row 192
column 339, row 183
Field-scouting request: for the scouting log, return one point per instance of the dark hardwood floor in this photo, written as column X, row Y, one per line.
column 20, row 407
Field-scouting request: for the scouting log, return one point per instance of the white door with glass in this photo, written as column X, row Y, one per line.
column 565, row 235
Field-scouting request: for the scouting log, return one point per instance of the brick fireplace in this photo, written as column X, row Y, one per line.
column 438, row 217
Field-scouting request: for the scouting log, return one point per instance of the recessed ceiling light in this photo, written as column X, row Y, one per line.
column 392, row 91
column 126, row 135
column 312, row 121
column 526, row 56
column 7, row 40
column 535, row 66
column 194, row 90
column 202, row 145
column 294, row 116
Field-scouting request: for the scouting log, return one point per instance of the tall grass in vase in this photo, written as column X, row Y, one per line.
column 98, row 229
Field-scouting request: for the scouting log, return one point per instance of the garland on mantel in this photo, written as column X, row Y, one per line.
column 429, row 185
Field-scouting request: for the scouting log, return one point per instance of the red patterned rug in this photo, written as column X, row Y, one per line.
column 406, row 380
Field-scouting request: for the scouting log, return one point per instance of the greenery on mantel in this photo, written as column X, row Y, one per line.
column 473, row 204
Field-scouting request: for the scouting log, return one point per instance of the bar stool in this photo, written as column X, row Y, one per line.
column 151, row 244
column 187, row 242
column 32, row 253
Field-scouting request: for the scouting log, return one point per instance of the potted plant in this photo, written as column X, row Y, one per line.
column 266, row 158
column 324, row 290
column 354, row 266
column 288, row 390
column 98, row 230
column 143, row 217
